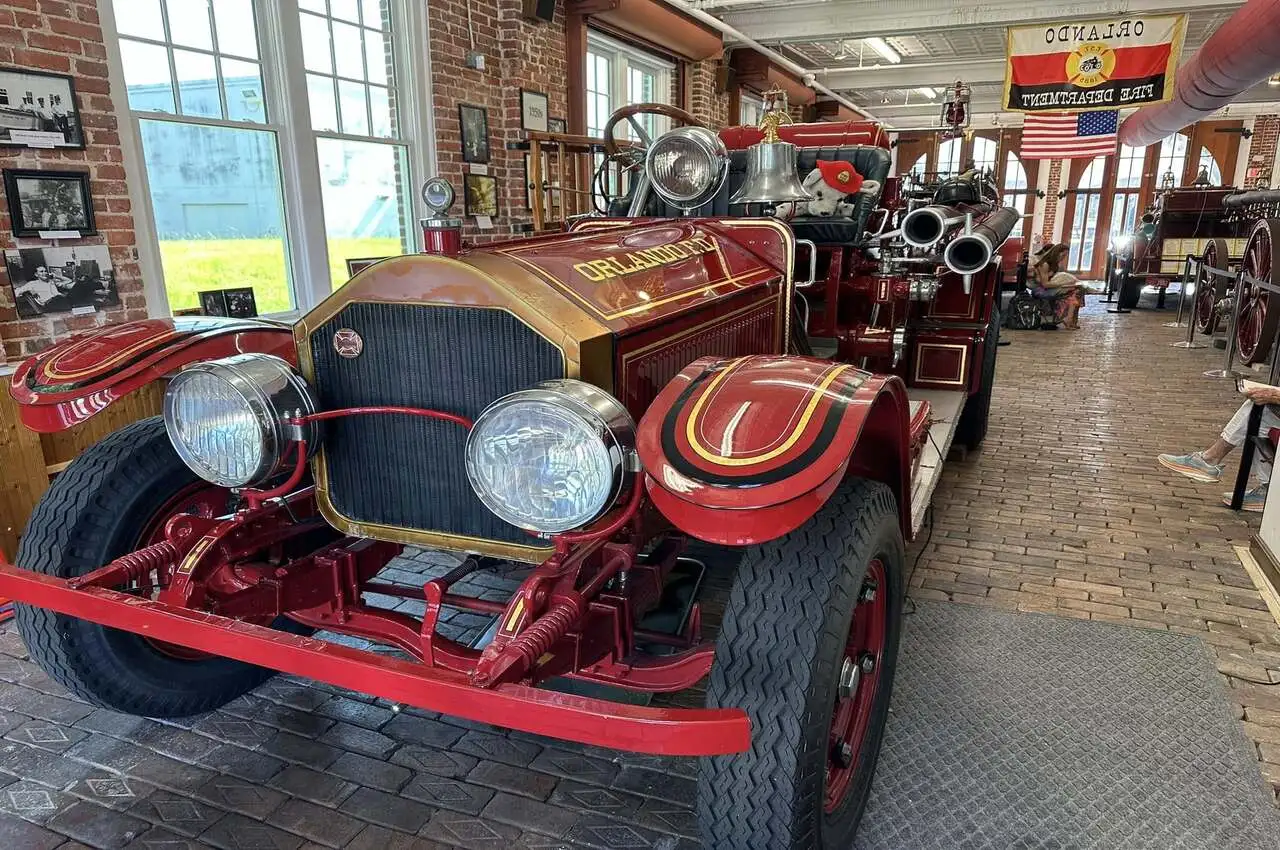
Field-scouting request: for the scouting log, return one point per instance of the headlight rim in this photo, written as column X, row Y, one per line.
column 608, row 420
column 277, row 436
column 710, row 143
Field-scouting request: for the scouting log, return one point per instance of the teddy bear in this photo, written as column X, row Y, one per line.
column 829, row 184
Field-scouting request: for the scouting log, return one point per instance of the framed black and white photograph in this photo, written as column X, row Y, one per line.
column 534, row 109
column 475, row 132
column 557, row 125
column 240, row 303
column 213, row 302
column 41, row 201
column 61, row 280
column 38, row 110
column 480, row 195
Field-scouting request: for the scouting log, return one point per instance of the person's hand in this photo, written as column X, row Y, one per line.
column 1264, row 395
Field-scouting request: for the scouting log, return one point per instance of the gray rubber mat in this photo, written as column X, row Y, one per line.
column 1032, row 731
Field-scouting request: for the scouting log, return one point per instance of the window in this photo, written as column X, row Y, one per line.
column 1209, row 164
column 1173, row 158
column 1084, row 223
column 1016, row 192
column 618, row 75
column 1124, row 208
column 984, row 154
column 750, row 109
column 920, row 166
column 351, row 88
column 230, row 133
column 949, row 157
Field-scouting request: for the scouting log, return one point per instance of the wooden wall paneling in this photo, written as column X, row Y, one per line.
column 24, row 478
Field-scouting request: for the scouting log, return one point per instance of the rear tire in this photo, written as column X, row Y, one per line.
column 972, row 428
column 99, row 508
column 779, row 657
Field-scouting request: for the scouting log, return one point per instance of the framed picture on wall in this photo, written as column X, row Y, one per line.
column 38, row 110
column 557, row 125
column 61, row 280
column 474, row 121
column 480, row 195
column 534, row 109
column 359, row 264
column 48, row 200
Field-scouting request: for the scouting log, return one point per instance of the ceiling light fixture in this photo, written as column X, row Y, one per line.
column 879, row 45
column 1273, row 80
column 927, row 92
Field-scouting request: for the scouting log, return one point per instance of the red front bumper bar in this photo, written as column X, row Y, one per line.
column 661, row 731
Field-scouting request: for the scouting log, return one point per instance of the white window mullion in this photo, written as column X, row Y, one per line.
column 414, row 91
column 285, row 82
column 144, row 225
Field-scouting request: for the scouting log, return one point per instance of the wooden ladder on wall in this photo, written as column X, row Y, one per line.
column 559, row 169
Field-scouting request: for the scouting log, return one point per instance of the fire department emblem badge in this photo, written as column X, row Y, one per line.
column 347, row 343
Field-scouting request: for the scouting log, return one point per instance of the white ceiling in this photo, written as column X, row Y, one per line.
column 939, row 42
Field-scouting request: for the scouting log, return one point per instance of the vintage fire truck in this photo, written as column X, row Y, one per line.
column 596, row 403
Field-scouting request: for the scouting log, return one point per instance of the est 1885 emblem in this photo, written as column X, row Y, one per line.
column 347, row 343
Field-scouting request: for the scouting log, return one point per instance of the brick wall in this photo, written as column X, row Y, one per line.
column 1051, row 201
column 66, row 37
column 518, row 53
column 705, row 102
column 1262, row 150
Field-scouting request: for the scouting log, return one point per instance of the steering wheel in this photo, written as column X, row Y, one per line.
column 631, row 155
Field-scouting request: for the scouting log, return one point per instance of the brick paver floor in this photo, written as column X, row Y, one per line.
column 1063, row 511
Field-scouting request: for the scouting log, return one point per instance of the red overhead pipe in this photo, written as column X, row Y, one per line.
column 1242, row 53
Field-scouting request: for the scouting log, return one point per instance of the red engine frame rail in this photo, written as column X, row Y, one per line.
column 661, row 731
column 575, row 616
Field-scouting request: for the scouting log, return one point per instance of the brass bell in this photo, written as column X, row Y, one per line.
column 771, row 165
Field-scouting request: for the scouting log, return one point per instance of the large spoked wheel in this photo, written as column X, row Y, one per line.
column 808, row 648
column 113, row 499
column 1256, row 325
column 1210, row 289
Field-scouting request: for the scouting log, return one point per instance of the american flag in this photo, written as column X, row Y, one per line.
column 1069, row 135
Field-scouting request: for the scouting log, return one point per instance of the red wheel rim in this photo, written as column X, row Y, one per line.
column 1205, row 301
column 859, row 682
column 1253, row 312
column 198, row 499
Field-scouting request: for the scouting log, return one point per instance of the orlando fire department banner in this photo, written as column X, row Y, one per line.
column 1101, row 64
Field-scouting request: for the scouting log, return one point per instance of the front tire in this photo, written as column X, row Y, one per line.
column 783, row 656
column 971, row 430
column 105, row 504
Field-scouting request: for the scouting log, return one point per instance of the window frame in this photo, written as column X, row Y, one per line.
column 284, row 84
column 599, row 43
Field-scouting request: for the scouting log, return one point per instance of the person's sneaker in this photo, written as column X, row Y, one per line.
column 1254, row 500
column 1194, row 466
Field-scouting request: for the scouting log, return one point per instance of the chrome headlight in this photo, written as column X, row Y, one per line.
column 226, row 418
column 553, row 457
column 687, row 165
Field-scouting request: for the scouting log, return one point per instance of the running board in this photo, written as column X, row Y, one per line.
column 945, row 406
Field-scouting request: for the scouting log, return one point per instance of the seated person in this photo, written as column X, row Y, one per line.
column 1062, row 289
column 1206, row 466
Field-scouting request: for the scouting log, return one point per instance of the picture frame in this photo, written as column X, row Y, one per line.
column 38, row 109
column 48, row 280
column 359, row 264
column 474, row 123
column 41, row 201
column 557, row 125
column 480, row 194
column 535, row 107
column 213, row 302
column 235, row 303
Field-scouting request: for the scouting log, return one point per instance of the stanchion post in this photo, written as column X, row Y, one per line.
column 1182, row 294
column 1226, row 371
column 1123, row 268
column 1110, row 275
column 1190, row 341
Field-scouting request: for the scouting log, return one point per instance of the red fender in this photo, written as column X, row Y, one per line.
column 69, row 382
column 746, row 450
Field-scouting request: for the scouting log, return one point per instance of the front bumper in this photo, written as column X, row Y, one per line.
column 660, row 731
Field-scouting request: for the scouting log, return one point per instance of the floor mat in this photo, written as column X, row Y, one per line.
column 1033, row 731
